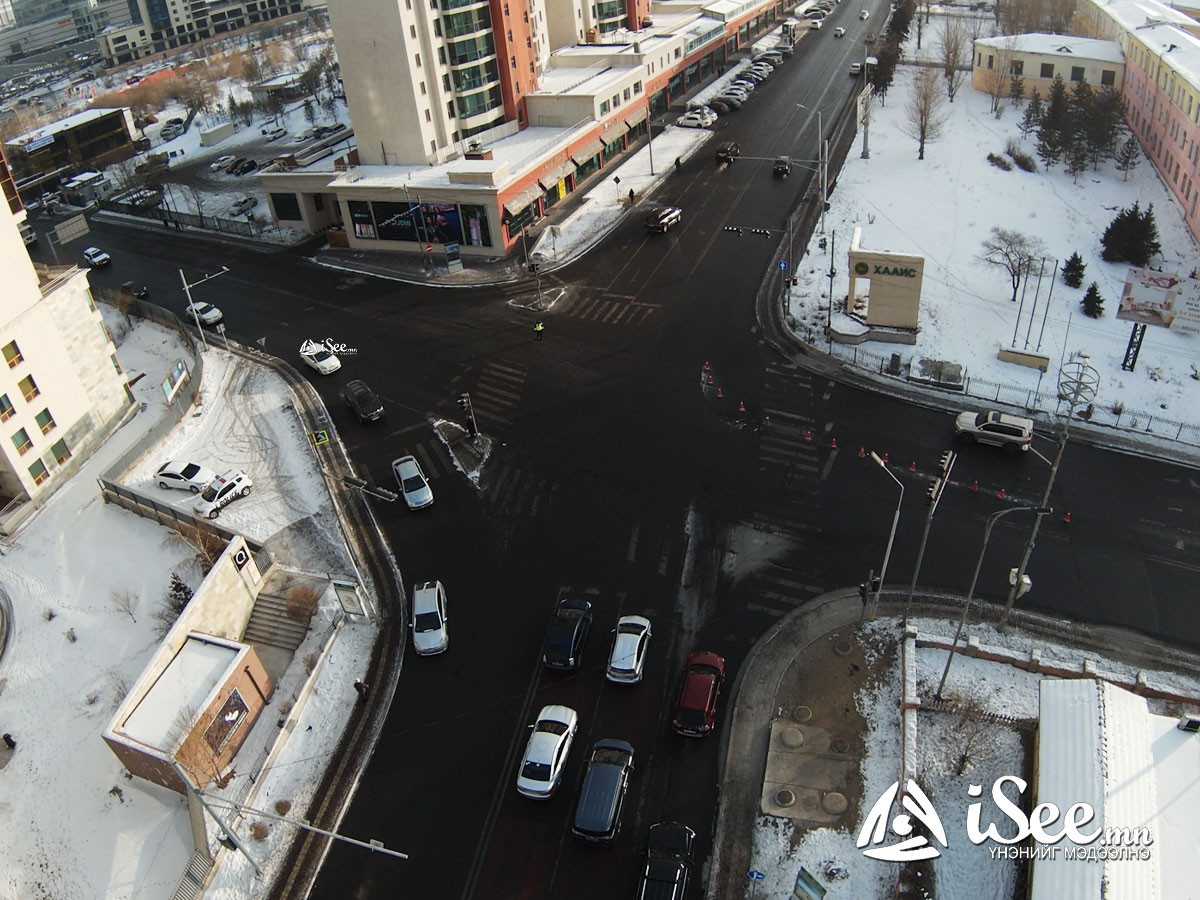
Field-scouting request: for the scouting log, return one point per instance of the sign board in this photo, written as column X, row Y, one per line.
column 70, row 229
column 807, row 887
column 783, row 265
column 453, row 258
column 38, row 143
column 755, row 875
column 176, row 378
column 319, row 437
column 1161, row 299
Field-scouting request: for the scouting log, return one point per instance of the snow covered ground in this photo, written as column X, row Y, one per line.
column 74, row 649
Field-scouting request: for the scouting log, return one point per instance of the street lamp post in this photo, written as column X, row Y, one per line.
column 987, row 533
column 187, row 290
column 887, row 554
column 821, row 162
column 1077, row 383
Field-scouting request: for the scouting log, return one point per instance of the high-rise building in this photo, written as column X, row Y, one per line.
column 62, row 388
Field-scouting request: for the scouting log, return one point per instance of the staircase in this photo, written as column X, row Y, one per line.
column 192, row 883
column 270, row 624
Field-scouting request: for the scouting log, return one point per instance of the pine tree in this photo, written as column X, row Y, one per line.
column 1072, row 271
column 1143, row 239
column 1055, row 127
column 1128, row 156
column 1016, row 89
column 1032, row 117
column 178, row 594
column 1116, row 237
column 1077, row 158
column 1093, row 303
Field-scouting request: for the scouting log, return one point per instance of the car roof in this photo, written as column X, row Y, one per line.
column 557, row 713
column 425, row 597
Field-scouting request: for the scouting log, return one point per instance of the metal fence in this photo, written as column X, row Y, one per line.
column 174, row 217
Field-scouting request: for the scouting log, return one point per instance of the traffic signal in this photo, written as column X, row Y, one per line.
column 464, row 401
column 935, row 489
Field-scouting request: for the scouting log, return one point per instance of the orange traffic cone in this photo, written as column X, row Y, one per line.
column 707, row 367
column 862, row 452
column 808, row 435
column 767, row 424
column 1067, row 518
column 912, row 466
column 720, row 393
column 1000, row 496
column 885, row 457
column 833, row 443
column 975, row 486
column 710, row 381
column 741, row 406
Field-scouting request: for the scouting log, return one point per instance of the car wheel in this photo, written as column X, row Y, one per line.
column 195, row 488
column 214, row 513
column 245, row 491
column 1011, row 448
column 967, row 438
column 164, row 485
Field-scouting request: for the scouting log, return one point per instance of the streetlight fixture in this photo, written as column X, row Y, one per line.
column 822, row 158
column 187, row 290
column 529, row 263
column 1078, row 383
column 987, row 533
column 887, row 554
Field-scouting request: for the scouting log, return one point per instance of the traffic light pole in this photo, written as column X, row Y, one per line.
column 465, row 404
column 934, row 493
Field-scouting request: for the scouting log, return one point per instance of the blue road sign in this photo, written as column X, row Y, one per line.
column 755, row 875
column 783, row 264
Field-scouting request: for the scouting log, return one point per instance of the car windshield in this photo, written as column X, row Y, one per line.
column 982, row 419
column 413, row 483
column 321, row 355
column 551, row 727
column 630, row 629
column 429, row 621
column 611, row 756
column 702, row 669
column 691, row 718
column 190, row 470
column 535, row 771
column 210, row 492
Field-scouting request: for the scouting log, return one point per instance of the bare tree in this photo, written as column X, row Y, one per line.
column 999, row 80
column 124, row 601
column 924, row 110
column 953, row 55
column 1013, row 252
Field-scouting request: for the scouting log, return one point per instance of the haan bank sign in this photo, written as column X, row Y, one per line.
column 1046, row 827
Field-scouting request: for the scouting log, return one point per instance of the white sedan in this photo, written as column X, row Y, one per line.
column 546, row 753
column 222, row 162
column 413, row 483
column 184, row 476
column 205, row 312
column 430, row 623
column 628, row 657
column 692, row 120
column 319, row 358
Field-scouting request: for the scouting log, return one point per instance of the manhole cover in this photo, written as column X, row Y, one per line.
column 842, row 648
column 834, row 803
column 839, row 745
column 792, row 738
column 801, row 714
column 784, row 798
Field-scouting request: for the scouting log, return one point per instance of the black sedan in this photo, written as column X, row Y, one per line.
column 567, row 633
column 362, row 401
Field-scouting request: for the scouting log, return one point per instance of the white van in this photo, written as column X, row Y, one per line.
column 864, row 15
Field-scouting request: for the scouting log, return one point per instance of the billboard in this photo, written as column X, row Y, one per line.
column 1162, row 299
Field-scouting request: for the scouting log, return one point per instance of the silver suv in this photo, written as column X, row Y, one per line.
column 1013, row 433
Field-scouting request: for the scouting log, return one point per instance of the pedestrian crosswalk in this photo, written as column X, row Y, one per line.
column 512, row 488
column 498, row 391
column 787, row 445
column 611, row 309
column 776, row 593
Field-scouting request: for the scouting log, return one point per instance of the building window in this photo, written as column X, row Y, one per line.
column 1077, row 73
column 1016, row 67
column 412, row 31
column 604, row 108
column 417, row 57
column 1047, row 70
column 6, row 408
column 445, row 81
column 29, row 388
column 616, row 100
column 45, row 421
column 514, row 62
column 21, row 441
column 1108, row 78
column 116, row 363
column 91, row 302
column 428, row 117
column 422, row 88
column 450, row 109
column 637, row 87
column 442, row 56
column 989, row 63
column 625, row 95
column 528, row 41
column 38, row 472
column 12, row 354
column 525, row 15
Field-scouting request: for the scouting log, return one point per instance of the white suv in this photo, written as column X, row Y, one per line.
column 221, row 491
column 1013, row 433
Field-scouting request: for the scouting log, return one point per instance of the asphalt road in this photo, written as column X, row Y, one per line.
column 618, row 473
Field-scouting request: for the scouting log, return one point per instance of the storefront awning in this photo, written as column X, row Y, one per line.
column 550, row 179
column 586, row 152
column 614, row 134
column 515, row 204
column 637, row 118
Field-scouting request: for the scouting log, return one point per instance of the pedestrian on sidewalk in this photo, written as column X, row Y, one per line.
column 631, row 196
column 9, row 741
column 363, row 689
column 538, row 328
column 678, row 164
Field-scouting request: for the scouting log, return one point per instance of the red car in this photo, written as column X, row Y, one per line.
column 696, row 708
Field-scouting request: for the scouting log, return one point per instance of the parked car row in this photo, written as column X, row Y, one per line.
column 214, row 491
column 233, row 165
column 737, row 91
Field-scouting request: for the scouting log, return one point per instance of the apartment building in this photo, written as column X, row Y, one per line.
column 1037, row 59
column 1161, row 50
column 472, row 117
column 62, row 388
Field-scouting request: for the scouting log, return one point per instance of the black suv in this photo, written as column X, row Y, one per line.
column 567, row 633
column 661, row 218
column 728, row 151
column 362, row 401
column 668, row 862
column 783, row 166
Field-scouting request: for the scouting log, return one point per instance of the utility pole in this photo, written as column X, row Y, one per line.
column 829, row 313
column 187, row 290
